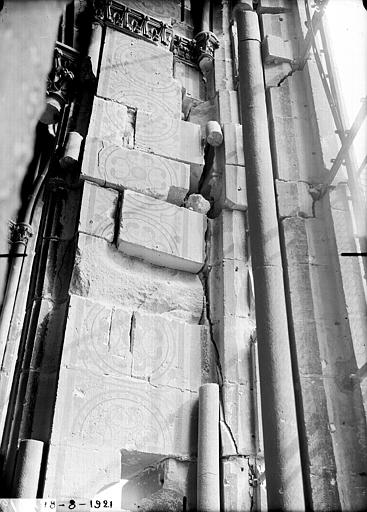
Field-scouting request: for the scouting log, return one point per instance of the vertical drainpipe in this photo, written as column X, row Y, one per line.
column 281, row 443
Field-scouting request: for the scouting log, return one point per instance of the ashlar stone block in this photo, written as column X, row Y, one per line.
column 240, row 417
column 275, row 49
column 235, row 195
column 96, row 412
column 167, row 352
column 233, row 144
column 169, row 137
column 139, row 75
column 228, row 106
column 97, row 338
column 104, row 274
column 112, row 123
column 161, row 233
column 98, row 211
column 113, row 166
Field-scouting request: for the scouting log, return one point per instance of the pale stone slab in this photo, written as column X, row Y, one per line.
column 233, row 144
column 80, row 472
column 273, row 6
column 169, row 137
column 191, row 79
column 229, row 237
column 97, row 338
column 112, row 123
column 167, row 352
column 97, row 412
column 230, row 280
column 240, row 417
column 139, row 75
column 235, row 338
column 293, row 199
column 228, row 106
column 161, row 233
column 104, row 274
column 121, row 168
column 98, row 211
column 235, row 195
column 237, row 491
column 275, row 49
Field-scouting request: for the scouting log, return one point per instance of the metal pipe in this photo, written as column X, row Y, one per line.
column 28, row 467
column 208, row 493
column 281, row 443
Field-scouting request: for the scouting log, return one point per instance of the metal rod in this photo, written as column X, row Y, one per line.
column 314, row 26
column 362, row 113
column 281, row 442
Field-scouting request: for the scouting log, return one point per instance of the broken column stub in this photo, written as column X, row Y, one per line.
column 208, row 494
column 161, row 233
column 113, row 166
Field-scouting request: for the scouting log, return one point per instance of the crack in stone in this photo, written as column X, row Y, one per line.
column 204, row 278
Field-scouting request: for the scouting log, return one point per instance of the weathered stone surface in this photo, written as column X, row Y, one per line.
column 275, row 49
column 112, row 123
column 161, row 233
column 113, row 166
column 169, row 137
column 228, row 106
column 97, row 339
column 235, row 196
column 233, row 144
column 162, row 487
column 275, row 73
column 139, row 75
column 80, row 472
column 98, row 211
column 197, row 203
column 240, row 417
column 236, row 489
column 96, row 412
column 230, row 280
column 293, row 199
column 104, row 274
column 273, row 6
column 234, row 338
column 167, row 352
column 229, row 237
column 223, row 69
column 190, row 79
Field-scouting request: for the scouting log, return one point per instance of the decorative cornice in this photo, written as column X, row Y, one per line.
column 116, row 15
column 133, row 22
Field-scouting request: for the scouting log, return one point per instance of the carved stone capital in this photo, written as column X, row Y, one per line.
column 20, row 232
column 60, row 83
column 205, row 45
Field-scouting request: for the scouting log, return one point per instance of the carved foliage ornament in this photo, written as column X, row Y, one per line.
column 60, row 82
